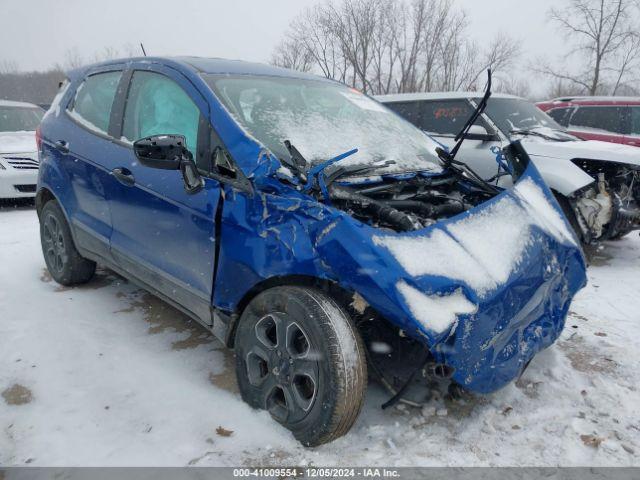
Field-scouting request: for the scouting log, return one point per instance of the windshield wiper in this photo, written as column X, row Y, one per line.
column 354, row 169
column 526, row 132
column 297, row 163
column 448, row 158
column 482, row 105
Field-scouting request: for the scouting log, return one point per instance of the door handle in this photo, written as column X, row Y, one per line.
column 124, row 176
column 62, row 145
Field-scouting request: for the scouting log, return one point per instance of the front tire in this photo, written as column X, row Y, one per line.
column 299, row 356
column 64, row 263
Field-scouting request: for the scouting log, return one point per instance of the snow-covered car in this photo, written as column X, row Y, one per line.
column 304, row 224
column 596, row 183
column 18, row 151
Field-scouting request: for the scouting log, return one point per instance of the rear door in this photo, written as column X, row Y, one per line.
column 83, row 143
column 604, row 123
column 161, row 234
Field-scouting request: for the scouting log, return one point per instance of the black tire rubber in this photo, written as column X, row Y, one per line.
column 337, row 346
column 69, row 267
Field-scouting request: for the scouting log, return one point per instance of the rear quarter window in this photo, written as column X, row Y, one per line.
column 94, row 100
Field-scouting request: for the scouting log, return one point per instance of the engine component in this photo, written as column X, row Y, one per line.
column 406, row 204
column 595, row 208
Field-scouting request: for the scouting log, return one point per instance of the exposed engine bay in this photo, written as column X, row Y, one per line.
column 407, row 204
column 609, row 208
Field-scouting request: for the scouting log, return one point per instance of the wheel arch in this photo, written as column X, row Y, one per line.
column 344, row 297
column 43, row 196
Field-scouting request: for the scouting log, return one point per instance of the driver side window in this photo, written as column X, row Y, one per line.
column 157, row 105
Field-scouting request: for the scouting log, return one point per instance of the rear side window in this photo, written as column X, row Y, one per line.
column 94, row 100
column 560, row 115
column 599, row 119
column 157, row 105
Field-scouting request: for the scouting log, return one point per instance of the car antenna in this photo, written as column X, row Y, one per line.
column 142, row 47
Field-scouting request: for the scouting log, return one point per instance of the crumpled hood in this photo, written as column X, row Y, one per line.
column 589, row 150
column 18, row 142
column 485, row 290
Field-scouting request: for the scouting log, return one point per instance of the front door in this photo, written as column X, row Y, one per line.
column 161, row 234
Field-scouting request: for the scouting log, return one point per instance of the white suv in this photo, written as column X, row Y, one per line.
column 596, row 183
column 18, row 150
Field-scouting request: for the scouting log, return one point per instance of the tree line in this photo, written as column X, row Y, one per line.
column 401, row 46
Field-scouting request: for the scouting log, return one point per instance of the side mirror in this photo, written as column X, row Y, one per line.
column 161, row 151
column 478, row 132
column 168, row 152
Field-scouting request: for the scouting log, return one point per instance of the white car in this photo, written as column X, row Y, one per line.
column 596, row 183
column 18, row 150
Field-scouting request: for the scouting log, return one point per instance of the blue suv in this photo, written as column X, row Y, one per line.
column 308, row 227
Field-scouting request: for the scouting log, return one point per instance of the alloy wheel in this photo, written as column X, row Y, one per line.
column 283, row 365
column 55, row 250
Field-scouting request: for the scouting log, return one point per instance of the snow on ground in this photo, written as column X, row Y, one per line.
column 105, row 374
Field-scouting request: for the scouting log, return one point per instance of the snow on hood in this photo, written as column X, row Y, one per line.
column 18, row 142
column 481, row 250
column 436, row 312
column 589, row 150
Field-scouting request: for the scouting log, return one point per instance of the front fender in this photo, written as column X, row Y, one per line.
column 561, row 175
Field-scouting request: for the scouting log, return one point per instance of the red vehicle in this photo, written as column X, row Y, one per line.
column 610, row 119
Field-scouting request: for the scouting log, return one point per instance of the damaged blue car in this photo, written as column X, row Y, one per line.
column 308, row 227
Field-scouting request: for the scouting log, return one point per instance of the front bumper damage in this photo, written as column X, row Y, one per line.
column 484, row 291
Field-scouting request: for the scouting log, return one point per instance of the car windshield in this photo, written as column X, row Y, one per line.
column 17, row 119
column 322, row 120
column 515, row 116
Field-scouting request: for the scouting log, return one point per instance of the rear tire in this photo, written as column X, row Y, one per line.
column 299, row 356
column 64, row 263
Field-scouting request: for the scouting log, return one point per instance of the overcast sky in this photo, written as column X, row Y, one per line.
column 36, row 33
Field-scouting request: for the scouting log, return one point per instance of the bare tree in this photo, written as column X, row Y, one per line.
column 290, row 53
column 72, row 59
column 385, row 46
column 8, row 66
column 604, row 43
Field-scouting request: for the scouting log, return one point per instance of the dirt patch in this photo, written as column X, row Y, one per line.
column 17, row 394
column 577, row 316
column 227, row 379
column 586, row 358
column 162, row 317
column 598, row 256
column 46, row 276
column 529, row 388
